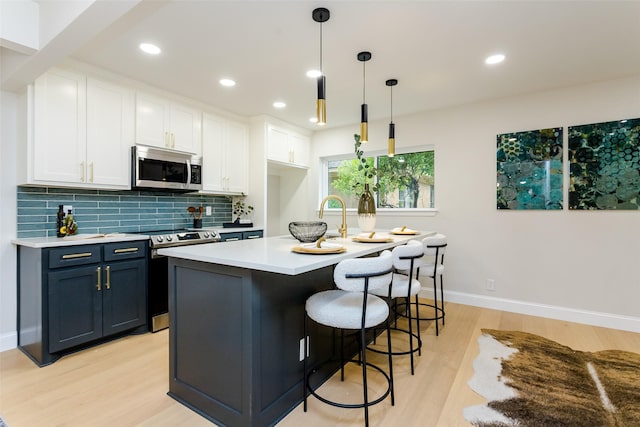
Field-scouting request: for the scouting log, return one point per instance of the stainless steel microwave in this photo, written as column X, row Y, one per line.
column 165, row 169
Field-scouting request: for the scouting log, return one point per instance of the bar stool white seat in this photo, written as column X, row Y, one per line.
column 352, row 307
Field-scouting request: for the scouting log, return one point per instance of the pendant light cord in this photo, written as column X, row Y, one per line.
column 391, row 104
column 364, row 81
column 321, row 48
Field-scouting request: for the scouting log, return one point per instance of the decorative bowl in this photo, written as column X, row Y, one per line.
column 307, row 231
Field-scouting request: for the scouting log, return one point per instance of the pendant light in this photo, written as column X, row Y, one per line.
column 364, row 125
column 321, row 15
column 392, row 127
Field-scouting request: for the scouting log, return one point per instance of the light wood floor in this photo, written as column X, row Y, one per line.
column 124, row 382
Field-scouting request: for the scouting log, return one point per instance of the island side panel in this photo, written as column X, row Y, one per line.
column 209, row 345
column 235, row 340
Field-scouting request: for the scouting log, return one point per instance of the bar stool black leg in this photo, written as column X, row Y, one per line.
column 442, row 299
column 304, row 365
column 393, row 399
column 363, row 358
column 435, row 302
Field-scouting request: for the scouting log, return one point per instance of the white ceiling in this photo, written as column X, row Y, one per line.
column 435, row 49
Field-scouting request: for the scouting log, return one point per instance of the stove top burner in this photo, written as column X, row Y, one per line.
column 165, row 239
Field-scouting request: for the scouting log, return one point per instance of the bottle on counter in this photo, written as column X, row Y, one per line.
column 70, row 224
column 60, row 229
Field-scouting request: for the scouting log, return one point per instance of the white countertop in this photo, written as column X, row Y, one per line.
column 273, row 254
column 79, row 239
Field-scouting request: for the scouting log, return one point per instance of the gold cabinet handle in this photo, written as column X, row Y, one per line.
column 125, row 250
column 253, row 237
column 79, row 255
column 167, row 142
column 173, row 140
column 91, row 175
column 99, row 284
column 81, row 171
column 108, row 282
column 232, row 239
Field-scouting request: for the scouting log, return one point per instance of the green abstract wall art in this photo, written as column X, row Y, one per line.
column 604, row 165
column 529, row 170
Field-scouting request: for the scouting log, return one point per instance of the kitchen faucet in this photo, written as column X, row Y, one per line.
column 343, row 228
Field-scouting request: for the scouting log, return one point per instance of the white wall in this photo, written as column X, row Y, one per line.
column 572, row 265
column 8, row 337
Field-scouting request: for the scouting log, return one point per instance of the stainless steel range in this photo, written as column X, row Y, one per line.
column 158, row 292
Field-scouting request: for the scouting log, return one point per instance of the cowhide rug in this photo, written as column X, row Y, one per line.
column 532, row 381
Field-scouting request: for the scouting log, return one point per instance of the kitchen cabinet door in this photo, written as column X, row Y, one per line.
column 164, row 124
column 300, row 147
column 152, row 121
column 236, row 157
column 110, row 133
column 277, row 144
column 59, row 128
column 185, row 129
column 213, row 148
column 124, row 303
column 225, row 155
column 75, row 306
column 287, row 147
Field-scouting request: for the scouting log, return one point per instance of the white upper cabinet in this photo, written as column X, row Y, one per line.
column 110, row 133
column 82, row 131
column 166, row 124
column 225, row 155
column 58, row 147
column 287, row 147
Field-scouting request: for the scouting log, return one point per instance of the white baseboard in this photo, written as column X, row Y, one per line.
column 8, row 341
column 606, row 320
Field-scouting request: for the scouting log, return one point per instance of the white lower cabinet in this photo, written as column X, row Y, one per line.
column 225, row 155
column 79, row 133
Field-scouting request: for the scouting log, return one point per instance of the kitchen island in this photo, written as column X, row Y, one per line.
column 236, row 313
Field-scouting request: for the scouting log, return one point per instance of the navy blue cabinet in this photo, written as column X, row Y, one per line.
column 240, row 235
column 80, row 295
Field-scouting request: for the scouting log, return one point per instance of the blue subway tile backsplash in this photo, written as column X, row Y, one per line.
column 102, row 211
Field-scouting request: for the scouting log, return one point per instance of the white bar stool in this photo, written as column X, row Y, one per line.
column 404, row 285
column 351, row 307
column 431, row 265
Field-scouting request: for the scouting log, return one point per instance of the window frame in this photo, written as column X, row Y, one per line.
column 323, row 189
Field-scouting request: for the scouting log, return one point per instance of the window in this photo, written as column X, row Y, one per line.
column 405, row 181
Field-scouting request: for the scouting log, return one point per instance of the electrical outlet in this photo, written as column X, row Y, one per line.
column 491, row 285
column 208, row 211
column 67, row 208
column 304, row 354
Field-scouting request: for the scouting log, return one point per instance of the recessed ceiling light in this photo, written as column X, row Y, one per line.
column 227, row 82
column 279, row 104
column 149, row 48
column 494, row 59
column 314, row 74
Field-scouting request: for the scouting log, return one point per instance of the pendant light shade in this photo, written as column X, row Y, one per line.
column 321, row 15
column 364, row 109
column 392, row 127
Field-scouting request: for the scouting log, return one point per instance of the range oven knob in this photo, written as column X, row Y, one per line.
column 169, row 238
column 159, row 239
column 206, row 234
